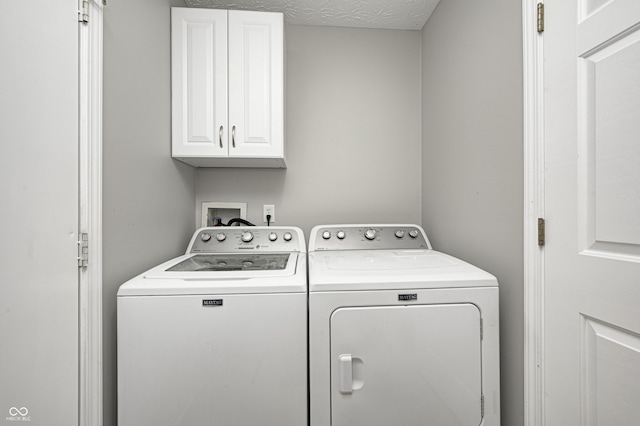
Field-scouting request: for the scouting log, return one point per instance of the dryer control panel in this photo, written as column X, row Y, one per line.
column 368, row 237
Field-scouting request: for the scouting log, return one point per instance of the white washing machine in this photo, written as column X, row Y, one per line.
column 399, row 334
column 217, row 336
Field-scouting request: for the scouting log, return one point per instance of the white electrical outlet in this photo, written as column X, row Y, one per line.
column 268, row 209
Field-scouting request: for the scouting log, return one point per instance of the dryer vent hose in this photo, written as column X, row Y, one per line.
column 217, row 221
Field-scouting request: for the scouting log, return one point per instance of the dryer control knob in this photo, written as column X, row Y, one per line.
column 399, row 233
column 414, row 233
column 287, row 236
column 341, row 235
column 205, row 237
column 370, row 234
column 221, row 237
column 326, row 235
column 247, row 236
column 273, row 236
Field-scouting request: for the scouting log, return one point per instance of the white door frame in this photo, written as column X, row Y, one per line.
column 533, row 86
column 90, row 185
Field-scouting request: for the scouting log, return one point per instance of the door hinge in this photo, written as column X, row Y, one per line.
column 83, row 251
column 540, row 17
column 83, row 11
column 541, row 232
column 482, row 405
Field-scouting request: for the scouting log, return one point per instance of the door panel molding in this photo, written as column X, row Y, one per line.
column 608, row 182
column 609, row 359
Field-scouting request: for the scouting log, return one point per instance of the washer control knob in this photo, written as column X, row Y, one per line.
column 247, row 236
column 399, row 233
column 287, row 236
column 273, row 236
column 205, row 237
column 221, row 237
column 370, row 234
column 326, row 235
column 341, row 235
column 414, row 233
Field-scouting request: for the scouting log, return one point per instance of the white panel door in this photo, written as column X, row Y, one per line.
column 199, row 82
column 256, row 84
column 592, row 206
column 38, row 230
column 406, row 366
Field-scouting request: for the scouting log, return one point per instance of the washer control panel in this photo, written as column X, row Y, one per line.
column 368, row 237
column 257, row 238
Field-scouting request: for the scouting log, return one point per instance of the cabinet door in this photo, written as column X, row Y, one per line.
column 256, row 84
column 406, row 365
column 199, row 82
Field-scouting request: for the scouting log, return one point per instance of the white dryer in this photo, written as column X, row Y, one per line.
column 217, row 336
column 399, row 334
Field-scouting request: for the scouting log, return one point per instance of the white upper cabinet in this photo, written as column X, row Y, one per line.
column 227, row 88
column 256, row 70
column 199, row 82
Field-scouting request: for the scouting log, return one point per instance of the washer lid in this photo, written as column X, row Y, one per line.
column 248, row 272
column 236, row 262
column 392, row 269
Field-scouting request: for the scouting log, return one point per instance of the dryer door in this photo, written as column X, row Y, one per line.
column 406, row 365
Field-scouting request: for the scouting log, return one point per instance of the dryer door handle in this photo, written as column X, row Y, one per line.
column 346, row 373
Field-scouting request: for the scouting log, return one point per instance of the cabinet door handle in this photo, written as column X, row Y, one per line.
column 220, row 136
column 233, row 136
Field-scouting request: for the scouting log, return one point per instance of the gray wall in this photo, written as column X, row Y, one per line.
column 148, row 197
column 472, row 167
column 353, row 133
column 361, row 148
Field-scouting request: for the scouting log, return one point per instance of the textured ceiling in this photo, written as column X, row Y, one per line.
column 390, row 14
